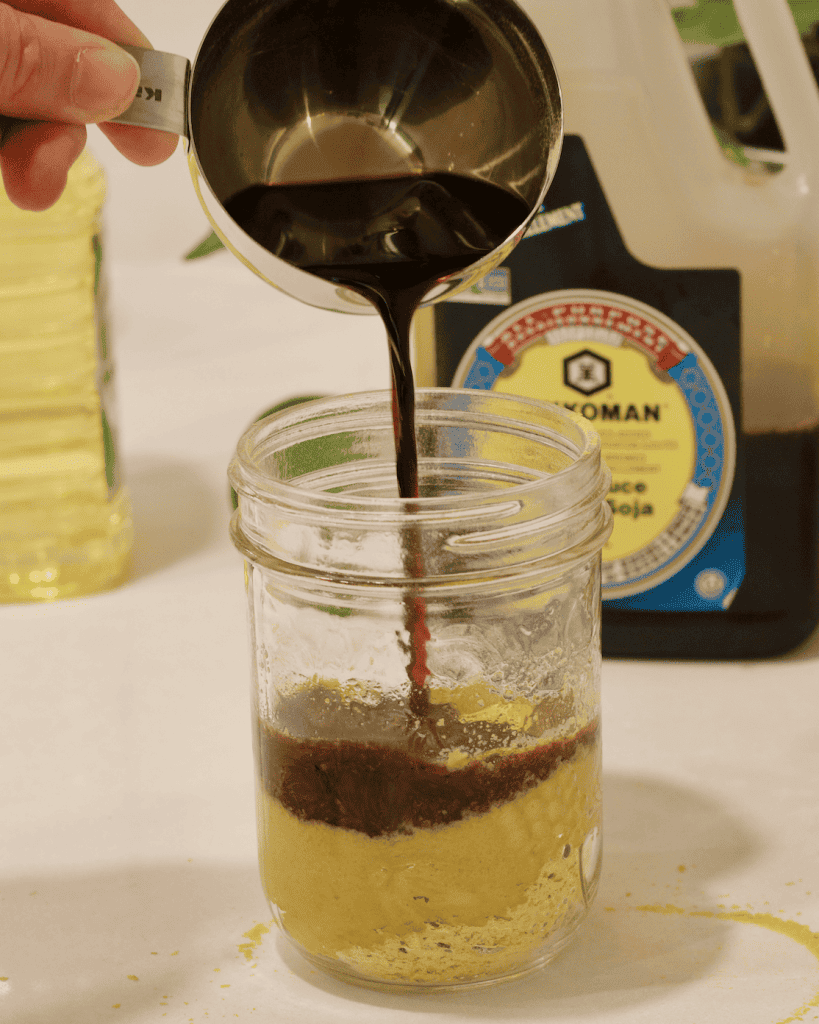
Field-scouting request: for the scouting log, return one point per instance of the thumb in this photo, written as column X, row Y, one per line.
column 52, row 72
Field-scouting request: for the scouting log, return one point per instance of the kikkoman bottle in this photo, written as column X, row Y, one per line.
column 671, row 296
column 65, row 523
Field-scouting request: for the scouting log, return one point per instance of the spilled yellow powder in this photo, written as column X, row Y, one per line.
column 475, row 898
column 791, row 929
column 255, row 935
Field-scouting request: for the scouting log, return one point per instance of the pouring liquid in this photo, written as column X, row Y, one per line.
column 390, row 239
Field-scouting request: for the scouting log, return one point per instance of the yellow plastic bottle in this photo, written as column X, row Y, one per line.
column 65, row 521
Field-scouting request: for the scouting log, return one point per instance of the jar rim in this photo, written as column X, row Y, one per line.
column 583, row 476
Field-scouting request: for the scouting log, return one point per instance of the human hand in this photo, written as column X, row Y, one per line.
column 59, row 72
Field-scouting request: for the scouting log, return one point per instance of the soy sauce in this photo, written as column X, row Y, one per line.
column 391, row 239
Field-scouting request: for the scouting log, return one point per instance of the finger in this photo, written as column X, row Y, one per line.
column 35, row 158
column 102, row 17
column 144, row 146
column 53, row 72
column 105, row 18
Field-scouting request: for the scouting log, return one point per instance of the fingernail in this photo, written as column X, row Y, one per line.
column 103, row 82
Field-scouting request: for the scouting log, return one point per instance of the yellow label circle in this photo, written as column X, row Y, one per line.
column 654, row 397
column 644, row 425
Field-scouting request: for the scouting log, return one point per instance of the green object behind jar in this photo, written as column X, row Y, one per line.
column 286, row 404
column 714, row 22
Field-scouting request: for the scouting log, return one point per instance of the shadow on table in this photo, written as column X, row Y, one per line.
column 176, row 513
column 121, row 944
column 134, row 943
column 663, row 846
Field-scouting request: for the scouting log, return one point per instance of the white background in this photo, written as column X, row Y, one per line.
column 127, row 846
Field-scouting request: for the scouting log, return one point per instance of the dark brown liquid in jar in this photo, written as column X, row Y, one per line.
column 395, row 784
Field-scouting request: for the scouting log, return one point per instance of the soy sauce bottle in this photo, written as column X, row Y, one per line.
column 671, row 296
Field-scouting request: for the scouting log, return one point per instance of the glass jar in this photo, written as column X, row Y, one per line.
column 426, row 682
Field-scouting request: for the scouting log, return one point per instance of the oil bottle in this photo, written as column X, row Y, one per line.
column 65, row 522
column 672, row 297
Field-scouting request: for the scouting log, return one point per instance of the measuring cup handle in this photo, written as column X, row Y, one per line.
column 162, row 98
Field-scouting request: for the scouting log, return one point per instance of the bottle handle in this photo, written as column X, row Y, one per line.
column 787, row 78
column 651, row 35
column 162, row 97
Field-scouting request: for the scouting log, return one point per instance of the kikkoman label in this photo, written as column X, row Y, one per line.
column 661, row 411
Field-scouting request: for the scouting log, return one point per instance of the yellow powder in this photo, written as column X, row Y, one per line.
column 255, row 936
column 792, row 929
column 475, row 898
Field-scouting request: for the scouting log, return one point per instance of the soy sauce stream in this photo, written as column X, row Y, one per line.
column 390, row 239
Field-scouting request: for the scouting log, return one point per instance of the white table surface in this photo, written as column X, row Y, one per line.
column 128, row 883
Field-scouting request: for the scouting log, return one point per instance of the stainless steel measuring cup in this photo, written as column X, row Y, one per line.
column 299, row 91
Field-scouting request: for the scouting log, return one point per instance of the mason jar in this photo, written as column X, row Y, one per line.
column 426, row 677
